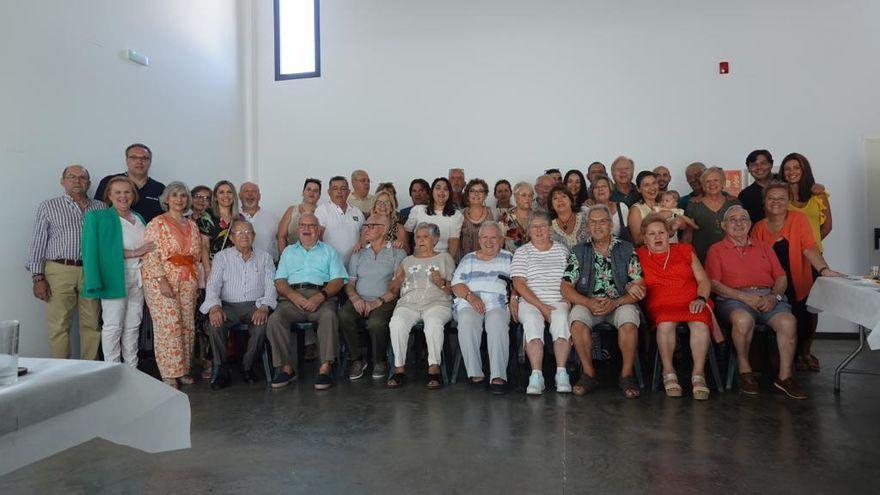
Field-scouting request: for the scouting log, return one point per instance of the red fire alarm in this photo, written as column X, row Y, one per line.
column 723, row 67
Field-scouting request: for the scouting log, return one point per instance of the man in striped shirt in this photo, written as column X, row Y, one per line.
column 55, row 263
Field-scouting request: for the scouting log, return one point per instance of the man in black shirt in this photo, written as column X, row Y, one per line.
column 760, row 164
column 138, row 158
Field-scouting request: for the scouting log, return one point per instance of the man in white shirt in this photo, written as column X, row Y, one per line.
column 265, row 223
column 360, row 195
column 340, row 222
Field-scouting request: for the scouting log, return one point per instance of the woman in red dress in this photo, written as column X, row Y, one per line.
column 678, row 291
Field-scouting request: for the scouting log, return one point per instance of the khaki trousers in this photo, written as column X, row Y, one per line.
column 66, row 283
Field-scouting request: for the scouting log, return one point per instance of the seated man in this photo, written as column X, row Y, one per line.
column 750, row 282
column 371, row 297
column 604, row 286
column 309, row 275
column 537, row 270
column 240, row 289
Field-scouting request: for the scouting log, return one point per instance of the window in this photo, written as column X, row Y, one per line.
column 297, row 39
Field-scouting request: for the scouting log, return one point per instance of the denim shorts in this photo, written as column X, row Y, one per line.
column 726, row 306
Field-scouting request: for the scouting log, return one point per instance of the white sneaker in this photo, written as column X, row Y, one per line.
column 536, row 384
column 563, row 384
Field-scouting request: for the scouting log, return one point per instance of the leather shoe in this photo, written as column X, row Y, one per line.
column 222, row 380
column 249, row 376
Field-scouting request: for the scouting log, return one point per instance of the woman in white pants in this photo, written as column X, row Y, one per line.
column 425, row 294
column 112, row 245
column 480, row 286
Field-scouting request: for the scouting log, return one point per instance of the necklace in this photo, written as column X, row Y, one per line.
column 666, row 261
column 565, row 223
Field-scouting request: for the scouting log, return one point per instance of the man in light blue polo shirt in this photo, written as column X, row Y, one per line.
column 309, row 275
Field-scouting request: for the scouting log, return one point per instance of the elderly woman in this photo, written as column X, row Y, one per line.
column 708, row 211
column 750, row 285
column 426, row 295
column 569, row 225
column 515, row 221
column 677, row 291
column 311, row 193
column 112, row 246
column 791, row 236
column 798, row 173
column 481, row 298
column 600, row 192
column 441, row 212
column 537, row 270
column 201, row 201
column 474, row 214
column 576, row 184
column 169, row 277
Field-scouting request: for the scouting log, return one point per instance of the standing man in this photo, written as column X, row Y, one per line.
column 360, row 196
column 663, row 177
column 265, row 223
column 418, row 193
column 595, row 168
column 543, row 184
column 692, row 174
column 55, row 263
column 760, row 164
column 138, row 159
column 240, row 289
column 555, row 174
column 309, row 275
column 457, row 181
column 625, row 191
column 340, row 222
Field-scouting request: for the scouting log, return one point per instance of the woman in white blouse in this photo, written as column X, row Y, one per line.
column 441, row 212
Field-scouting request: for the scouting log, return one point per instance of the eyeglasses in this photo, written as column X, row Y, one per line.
column 242, row 232
column 203, row 197
column 599, row 222
column 478, row 191
column 308, row 226
column 77, row 177
column 540, row 226
column 738, row 220
column 139, row 158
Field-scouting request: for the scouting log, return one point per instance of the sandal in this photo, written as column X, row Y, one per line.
column 435, row 381
column 397, row 380
column 629, row 387
column 585, row 385
column 812, row 363
column 701, row 391
column 670, row 384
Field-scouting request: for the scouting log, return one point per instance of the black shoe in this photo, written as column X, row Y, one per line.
column 222, row 380
column 249, row 376
column 498, row 388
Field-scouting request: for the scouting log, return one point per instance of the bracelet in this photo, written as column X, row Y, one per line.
column 700, row 298
column 38, row 278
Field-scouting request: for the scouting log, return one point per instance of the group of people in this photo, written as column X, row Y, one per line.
column 559, row 256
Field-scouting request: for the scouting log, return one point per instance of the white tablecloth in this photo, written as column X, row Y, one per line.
column 853, row 300
column 62, row 403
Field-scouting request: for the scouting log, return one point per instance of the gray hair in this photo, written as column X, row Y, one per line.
column 733, row 209
column 241, row 220
column 171, row 189
column 699, row 165
column 432, row 229
column 598, row 207
column 76, row 165
column 540, row 215
column 620, row 159
column 489, row 224
column 714, row 170
column 523, row 184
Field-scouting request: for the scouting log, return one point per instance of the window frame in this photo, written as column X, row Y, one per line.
column 297, row 75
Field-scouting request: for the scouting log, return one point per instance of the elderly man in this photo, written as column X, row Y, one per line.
column 595, row 169
column 481, row 300
column 692, row 174
column 360, row 196
column 663, row 177
column 537, row 270
column 750, row 285
column 418, row 193
column 458, row 182
column 371, row 297
column 543, row 184
column 265, row 222
column 340, row 222
column 240, row 289
column 622, row 170
column 138, row 158
column 310, row 274
column 604, row 287
column 55, row 263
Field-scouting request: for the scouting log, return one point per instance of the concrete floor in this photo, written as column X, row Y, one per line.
column 364, row 438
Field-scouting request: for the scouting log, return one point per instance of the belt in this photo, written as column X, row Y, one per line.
column 305, row 286
column 68, row 262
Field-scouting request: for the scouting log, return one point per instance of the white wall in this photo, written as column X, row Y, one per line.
column 68, row 96
column 507, row 88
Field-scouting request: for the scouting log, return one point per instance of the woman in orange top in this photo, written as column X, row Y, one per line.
column 791, row 236
column 796, row 171
column 171, row 285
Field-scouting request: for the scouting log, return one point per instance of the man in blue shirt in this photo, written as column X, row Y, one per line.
column 309, row 275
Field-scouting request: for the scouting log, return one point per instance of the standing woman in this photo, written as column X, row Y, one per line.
column 169, row 277
column 576, row 184
column 708, row 212
column 569, row 225
column 649, row 190
column 224, row 209
column 515, row 221
column 112, row 246
column 441, row 212
column 311, row 193
column 474, row 214
column 600, row 192
column 798, row 173
column 385, row 205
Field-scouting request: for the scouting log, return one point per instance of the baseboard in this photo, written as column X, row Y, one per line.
column 836, row 336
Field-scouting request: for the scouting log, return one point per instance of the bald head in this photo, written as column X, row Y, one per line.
column 75, row 181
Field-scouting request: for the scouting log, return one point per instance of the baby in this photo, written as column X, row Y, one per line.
column 669, row 204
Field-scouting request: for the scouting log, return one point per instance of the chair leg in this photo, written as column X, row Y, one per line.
column 655, row 380
column 637, row 364
column 716, row 373
column 732, row 366
column 267, row 367
column 389, row 360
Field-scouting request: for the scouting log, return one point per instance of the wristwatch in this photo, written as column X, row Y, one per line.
column 701, row 298
column 778, row 297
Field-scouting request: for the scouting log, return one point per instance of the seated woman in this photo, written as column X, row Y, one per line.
column 482, row 299
column 426, row 295
column 441, row 212
column 112, row 246
column 750, row 285
column 791, row 236
column 677, row 291
column 569, row 225
column 537, row 270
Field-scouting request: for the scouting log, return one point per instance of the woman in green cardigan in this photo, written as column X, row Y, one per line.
column 112, row 246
